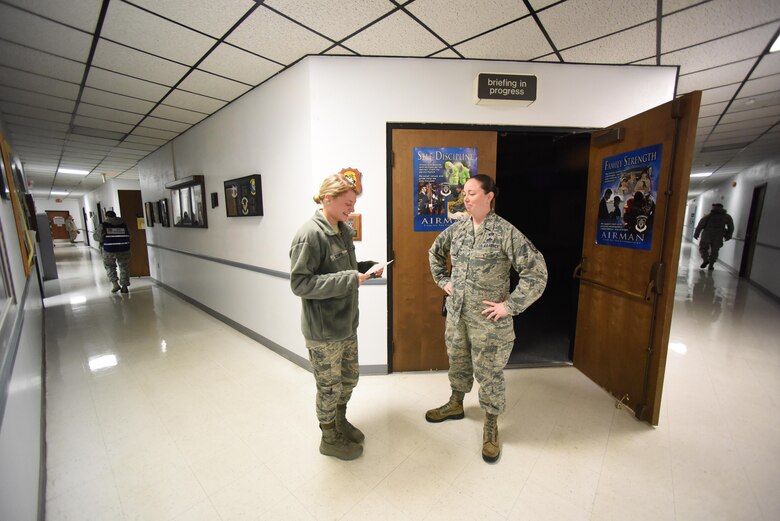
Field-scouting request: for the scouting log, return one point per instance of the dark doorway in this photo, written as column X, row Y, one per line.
column 751, row 234
column 542, row 180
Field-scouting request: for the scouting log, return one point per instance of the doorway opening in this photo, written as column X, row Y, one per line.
column 751, row 234
column 542, row 179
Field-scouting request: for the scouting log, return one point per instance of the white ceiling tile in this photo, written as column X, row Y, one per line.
column 155, row 133
column 396, row 35
column 196, row 102
column 38, row 62
column 715, row 19
column 751, row 114
column 624, row 47
column 670, row 6
column 117, row 101
column 124, row 60
column 133, row 27
column 36, row 100
column 519, row 41
column 718, row 94
column 10, row 108
column 576, row 21
column 769, row 64
column 82, row 14
column 762, row 123
column 725, row 75
column 274, row 37
column 119, row 84
column 35, row 83
column 445, row 17
column 164, row 124
column 36, row 126
column 730, row 49
column 713, row 109
column 91, row 140
column 540, row 4
column 177, row 114
column 239, row 65
column 761, row 100
column 207, row 84
column 138, row 147
column 336, row 20
column 144, row 140
column 214, row 17
column 120, row 116
column 84, row 121
column 760, row 86
column 38, row 33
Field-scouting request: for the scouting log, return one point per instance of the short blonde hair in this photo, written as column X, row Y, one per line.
column 334, row 185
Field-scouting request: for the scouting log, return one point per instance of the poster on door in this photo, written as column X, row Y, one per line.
column 439, row 176
column 629, row 186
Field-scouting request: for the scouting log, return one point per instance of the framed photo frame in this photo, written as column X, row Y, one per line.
column 164, row 215
column 187, row 202
column 354, row 222
column 149, row 214
column 244, row 196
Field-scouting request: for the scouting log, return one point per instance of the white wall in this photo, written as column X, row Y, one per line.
column 736, row 195
column 329, row 113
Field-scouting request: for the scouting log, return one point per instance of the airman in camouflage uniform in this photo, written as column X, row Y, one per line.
column 114, row 238
column 479, row 330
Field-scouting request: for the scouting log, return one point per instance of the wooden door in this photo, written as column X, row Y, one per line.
column 131, row 210
column 57, row 223
column 626, row 294
column 417, row 323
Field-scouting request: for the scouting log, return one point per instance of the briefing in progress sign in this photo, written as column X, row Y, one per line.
column 515, row 89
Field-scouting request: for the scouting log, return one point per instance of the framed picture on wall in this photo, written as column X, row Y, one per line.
column 187, row 197
column 164, row 215
column 244, row 197
column 354, row 222
column 149, row 214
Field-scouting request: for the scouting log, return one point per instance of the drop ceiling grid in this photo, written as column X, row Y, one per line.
column 136, row 63
column 231, row 62
column 117, row 101
column 192, row 101
column 395, row 35
column 276, row 38
column 119, row 116
column 207, row 84
column 335, row 20
column 445, row 17
column 34, row 83
column 716, row 77
column 38, row 33
column 112, row 82
column 41, row 63
column 139, row 29
column 214, row 17
column 624, row 47
column 522, row 40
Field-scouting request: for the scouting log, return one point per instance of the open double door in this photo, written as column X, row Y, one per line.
column 625, row 295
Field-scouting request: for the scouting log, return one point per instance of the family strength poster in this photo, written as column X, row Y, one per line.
column 439, row 176
column 629, row 186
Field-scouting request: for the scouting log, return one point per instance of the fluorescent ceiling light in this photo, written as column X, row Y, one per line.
column 72, row 171
column 775, row 46
column 59, row 193
column 703, row 174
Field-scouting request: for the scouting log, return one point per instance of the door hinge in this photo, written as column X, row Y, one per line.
column 677, row 108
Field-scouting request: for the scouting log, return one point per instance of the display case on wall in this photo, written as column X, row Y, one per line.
column 187, row 196
column 244, row 196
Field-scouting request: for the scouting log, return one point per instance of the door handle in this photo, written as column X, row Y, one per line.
column 647, row 297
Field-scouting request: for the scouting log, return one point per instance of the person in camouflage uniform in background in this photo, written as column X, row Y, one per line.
column 714, row 228
column 326, row 275
column 114, row 238
column 479, row 331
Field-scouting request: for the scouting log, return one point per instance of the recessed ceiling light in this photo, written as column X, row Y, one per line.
column 58, row 193
column 750, row 101
column 72, row 171
column 703, row 174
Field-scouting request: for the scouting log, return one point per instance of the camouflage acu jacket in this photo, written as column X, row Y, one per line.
column 481, row 263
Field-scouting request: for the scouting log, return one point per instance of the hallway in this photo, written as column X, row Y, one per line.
column 157, row 411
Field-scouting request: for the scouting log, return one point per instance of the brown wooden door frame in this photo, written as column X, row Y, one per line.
column 131, row 209
column 425, row 321
column 57, row 231
column 627, row 296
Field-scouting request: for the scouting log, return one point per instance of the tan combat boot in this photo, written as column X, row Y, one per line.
column 115, row 287
column 335, row 444
column 452, row 410
column 490, row 447
column 349, row 431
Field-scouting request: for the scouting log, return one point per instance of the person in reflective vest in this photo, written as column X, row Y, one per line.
column 114, row 239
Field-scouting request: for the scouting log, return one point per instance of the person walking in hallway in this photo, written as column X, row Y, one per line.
column 479, row 330
column 114, row 239
column 71, row 228
column 326, row 275
column 714, row 228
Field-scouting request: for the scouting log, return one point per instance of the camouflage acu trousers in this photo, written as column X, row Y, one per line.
column 479, row 348
column 120, row 259
column 335, row 367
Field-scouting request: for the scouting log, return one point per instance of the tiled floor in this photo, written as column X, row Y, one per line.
column 190, row 420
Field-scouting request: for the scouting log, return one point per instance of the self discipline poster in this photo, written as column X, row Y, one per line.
column 439, row 176
column 629, row 188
